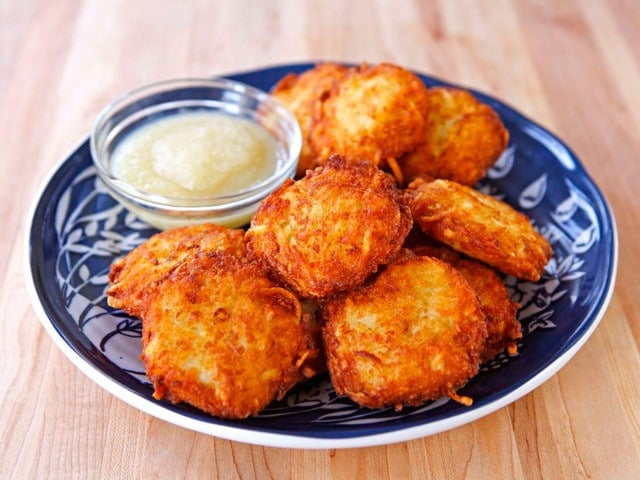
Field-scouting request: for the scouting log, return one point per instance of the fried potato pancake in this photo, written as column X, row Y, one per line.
column 331, row 229
column 299, row 93
column 132, row 277
column 223, row 337
column 414, row 333
column 375, row 113
column 480, row 226
column 464, row 137
column 503, row 327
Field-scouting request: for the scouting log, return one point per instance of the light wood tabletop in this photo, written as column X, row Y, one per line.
column 573, row 66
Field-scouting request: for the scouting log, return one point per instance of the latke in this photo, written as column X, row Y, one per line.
column 414, row 333
column 463, row 138
column 331, row 229
column 132, row 277
column 376, row 114
column 300, row 93
column 480, row 226
column 222, row 337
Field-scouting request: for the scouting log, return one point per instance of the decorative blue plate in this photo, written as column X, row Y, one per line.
column 76, row 230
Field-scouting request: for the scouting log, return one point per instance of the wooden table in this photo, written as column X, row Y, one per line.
column 574, row 66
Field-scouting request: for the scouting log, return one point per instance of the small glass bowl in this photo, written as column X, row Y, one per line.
column 146, row 104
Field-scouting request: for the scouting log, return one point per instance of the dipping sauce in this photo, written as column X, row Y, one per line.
column 195, row 155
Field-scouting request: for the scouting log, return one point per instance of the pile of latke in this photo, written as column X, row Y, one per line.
column 380, row 263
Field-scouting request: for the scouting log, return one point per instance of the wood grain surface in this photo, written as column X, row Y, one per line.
column 572, row 65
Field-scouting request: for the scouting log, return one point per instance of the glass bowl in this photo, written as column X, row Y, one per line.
column 149, row 103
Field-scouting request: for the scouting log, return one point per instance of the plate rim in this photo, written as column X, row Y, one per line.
column 294, row 440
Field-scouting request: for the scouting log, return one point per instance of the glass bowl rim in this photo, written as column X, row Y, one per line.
column 216, row 203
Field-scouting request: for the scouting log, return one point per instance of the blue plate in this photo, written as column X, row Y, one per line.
column 76, row 230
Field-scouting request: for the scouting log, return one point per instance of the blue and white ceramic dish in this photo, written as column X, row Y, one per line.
column 76, row 230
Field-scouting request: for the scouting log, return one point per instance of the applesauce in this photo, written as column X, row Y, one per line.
column 195, row 155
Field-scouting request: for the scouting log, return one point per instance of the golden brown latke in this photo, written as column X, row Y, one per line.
column 414, row 333
column 299, row 93
column 464, row 137
column 480, row 226
column 376, row 113
column 331, row 229
column 503, row 327
column 131, row 278
column 223, row 337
